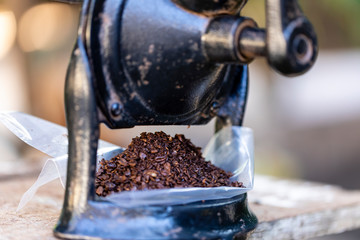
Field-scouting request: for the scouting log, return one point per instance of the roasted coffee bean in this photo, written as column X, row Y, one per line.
column 151, row 173
column 167, row 167
column 142, row 155
column 160, row 158
column 156, row 161
column 99, row 190
column 132, row 163
column 111, row 165
column 122, row 161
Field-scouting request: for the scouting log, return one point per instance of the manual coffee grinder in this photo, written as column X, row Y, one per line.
column 167, row 62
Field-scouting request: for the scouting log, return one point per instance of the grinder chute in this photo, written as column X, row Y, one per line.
column 167, row 62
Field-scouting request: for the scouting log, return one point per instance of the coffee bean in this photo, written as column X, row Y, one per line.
column 122, row 161
column 160, row 158
column 99, row 190
column 151, row 173
column 142, row 155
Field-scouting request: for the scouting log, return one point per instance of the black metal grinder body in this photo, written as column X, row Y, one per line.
column 165, row 62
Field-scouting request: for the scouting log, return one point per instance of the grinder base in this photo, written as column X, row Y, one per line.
column 215, row 219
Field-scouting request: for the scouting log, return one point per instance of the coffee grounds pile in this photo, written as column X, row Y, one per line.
column 157, row 161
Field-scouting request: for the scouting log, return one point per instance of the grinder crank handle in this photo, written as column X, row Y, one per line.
column 289, row 41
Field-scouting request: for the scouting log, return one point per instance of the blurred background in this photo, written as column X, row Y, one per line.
column 306, row 127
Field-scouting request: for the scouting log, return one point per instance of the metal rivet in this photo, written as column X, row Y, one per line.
column 116, row 109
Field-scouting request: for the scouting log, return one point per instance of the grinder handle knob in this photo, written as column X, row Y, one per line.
column 290, row 38
column 289, row 41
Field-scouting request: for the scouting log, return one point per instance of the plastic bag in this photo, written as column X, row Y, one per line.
column 50, row 139
column 230, row 149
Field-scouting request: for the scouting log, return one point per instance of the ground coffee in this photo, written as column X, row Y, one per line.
column 157, row 161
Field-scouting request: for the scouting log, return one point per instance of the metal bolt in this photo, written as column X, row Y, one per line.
column 116, row 109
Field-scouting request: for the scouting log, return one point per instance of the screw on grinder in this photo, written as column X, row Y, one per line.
column 166, row 62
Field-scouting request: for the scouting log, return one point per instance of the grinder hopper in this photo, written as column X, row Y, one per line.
column 166, row 62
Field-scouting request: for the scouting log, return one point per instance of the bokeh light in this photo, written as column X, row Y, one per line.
column 7, row 31
column 46, row 26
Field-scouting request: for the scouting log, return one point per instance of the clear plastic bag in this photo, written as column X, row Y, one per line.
column 230, row 149
column 50, row 139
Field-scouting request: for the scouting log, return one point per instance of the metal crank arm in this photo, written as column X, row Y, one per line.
column 289, row 41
